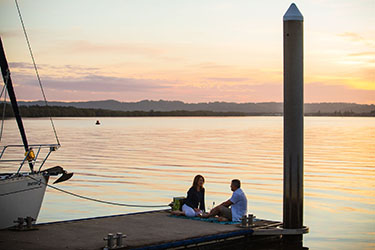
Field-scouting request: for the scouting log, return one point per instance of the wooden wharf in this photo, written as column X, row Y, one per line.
column 145, row 230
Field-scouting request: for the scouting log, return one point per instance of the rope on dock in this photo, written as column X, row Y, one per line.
column 97, row 200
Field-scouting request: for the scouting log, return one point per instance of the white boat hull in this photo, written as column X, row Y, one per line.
column 21, row 197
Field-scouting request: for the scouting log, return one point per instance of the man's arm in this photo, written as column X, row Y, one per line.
column 216, row 210
column 226, row 203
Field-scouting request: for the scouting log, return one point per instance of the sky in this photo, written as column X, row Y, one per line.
column 187, row 50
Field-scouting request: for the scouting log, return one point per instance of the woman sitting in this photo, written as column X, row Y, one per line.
column 194, row 205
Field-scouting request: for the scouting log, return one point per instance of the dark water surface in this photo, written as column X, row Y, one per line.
column 148, row 161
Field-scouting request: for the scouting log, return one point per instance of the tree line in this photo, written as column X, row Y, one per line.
column 61, row 111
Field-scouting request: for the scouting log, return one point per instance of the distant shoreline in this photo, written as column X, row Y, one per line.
column 37, row 111
column 260, row 108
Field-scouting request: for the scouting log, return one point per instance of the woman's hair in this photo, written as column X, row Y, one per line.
column 196, row 179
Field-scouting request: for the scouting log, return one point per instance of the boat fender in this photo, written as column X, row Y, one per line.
column 30, row 155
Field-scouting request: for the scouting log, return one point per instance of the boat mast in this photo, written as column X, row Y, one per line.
column 12, row 96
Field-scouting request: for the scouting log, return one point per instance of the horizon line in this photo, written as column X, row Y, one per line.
column 150, row 100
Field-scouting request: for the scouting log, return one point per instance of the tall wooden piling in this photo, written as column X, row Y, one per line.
column 293, row 119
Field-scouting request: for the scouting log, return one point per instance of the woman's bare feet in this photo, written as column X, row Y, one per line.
column 178, row 212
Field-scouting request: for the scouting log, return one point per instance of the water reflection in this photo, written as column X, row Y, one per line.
column 150, row 160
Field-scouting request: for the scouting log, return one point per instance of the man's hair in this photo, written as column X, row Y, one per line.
column 236, row 183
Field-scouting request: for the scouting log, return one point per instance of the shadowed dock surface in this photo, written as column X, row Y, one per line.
column 142, row 229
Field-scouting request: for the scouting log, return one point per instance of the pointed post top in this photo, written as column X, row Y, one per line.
column 293, row 14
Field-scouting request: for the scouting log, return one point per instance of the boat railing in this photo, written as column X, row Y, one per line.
column 34, row 155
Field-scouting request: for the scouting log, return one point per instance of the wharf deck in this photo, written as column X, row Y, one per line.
column 147, row 230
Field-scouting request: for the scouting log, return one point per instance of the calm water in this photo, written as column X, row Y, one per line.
column 150, row 160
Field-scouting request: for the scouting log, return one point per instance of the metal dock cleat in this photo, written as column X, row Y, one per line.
column 21, row 226
column 111, row 241
column 247, row 221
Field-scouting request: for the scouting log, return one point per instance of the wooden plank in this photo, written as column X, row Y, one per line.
column 142, row 229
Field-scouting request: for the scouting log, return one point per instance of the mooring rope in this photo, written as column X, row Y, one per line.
column 36, row 71
column 97, row 200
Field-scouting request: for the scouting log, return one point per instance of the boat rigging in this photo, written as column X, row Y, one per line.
column 22, row 193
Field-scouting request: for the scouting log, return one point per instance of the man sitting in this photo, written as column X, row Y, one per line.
column 237, row 204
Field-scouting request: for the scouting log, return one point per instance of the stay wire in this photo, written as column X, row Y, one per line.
column 97, row 200
column 36, row 71
column 57, row 139
column 3, row 118
column 4, row 90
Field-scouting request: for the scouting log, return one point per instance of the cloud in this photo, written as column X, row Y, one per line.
column 227, row 79
column 22, row 65
column 355, row 37
column 10, row 33
column 83, row 46
column 100, row 87
column 74, row 68
column 352, row 36
column 365, row 57
column 320, row 92
column 368, row 73
column 229, row 93
column 94, row 83
column 25, row 65
column 46, row 70
column 211, row 66
column 366, row 53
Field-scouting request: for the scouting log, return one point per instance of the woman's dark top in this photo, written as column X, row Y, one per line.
column 194, row 198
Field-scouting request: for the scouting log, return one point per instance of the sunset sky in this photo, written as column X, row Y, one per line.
column 187, row 50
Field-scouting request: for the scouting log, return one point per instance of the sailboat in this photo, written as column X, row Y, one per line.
column 22, row 192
